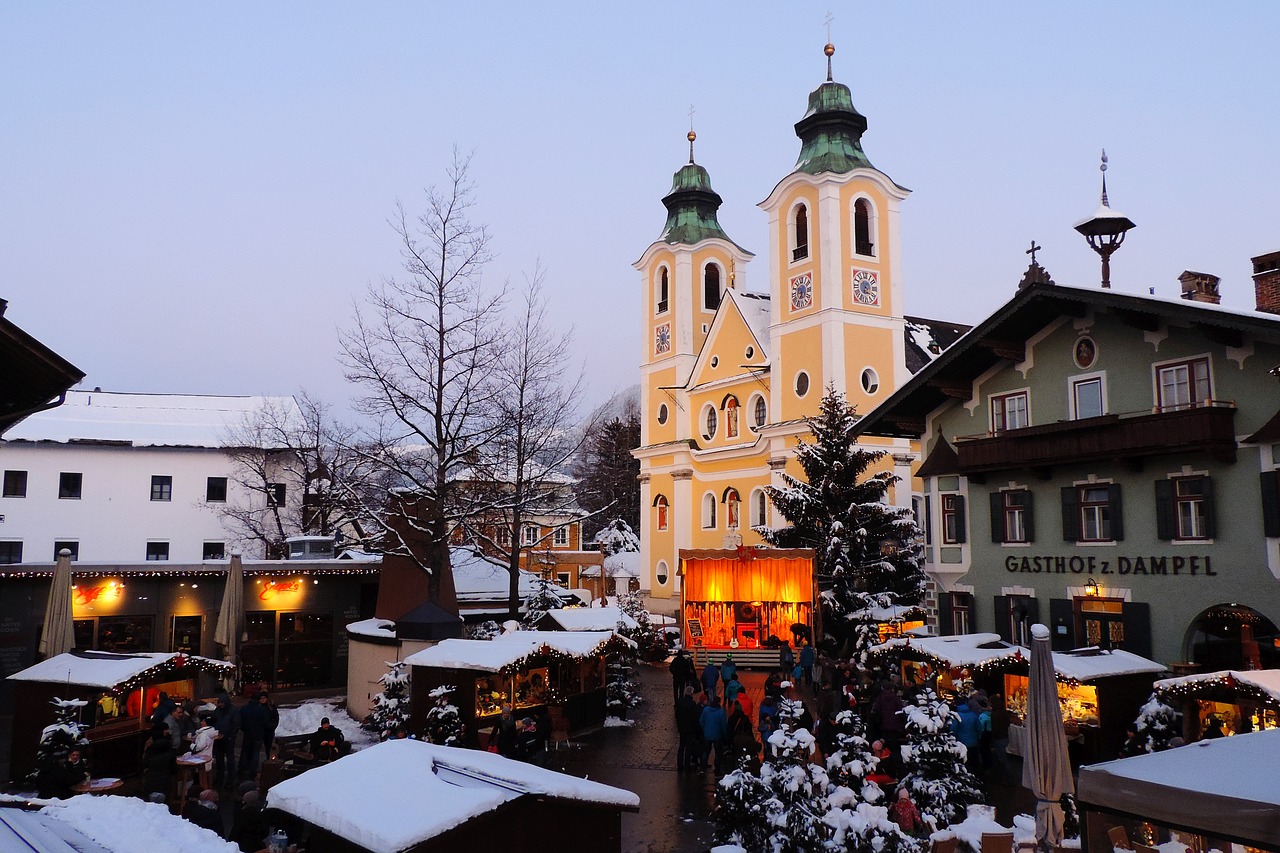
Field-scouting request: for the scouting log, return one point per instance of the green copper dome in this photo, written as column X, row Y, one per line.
column 691, row 208
column 831, row 132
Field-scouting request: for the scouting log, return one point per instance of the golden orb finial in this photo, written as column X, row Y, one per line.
column 692, row 136
column 829, row 49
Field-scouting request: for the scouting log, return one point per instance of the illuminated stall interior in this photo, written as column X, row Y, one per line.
column 1241, row 701
column 741, row 598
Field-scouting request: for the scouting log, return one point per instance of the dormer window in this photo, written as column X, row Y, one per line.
column 801, row 249
column 862, row 220
column 711, row 287
column 664, row 291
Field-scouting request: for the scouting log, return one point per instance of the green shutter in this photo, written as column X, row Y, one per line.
column 961, row 524
column 997, row 516
column 1270, row 504
column 1166, row 511
column 1117, row 512
column 1070, row 514
column 1028, row 515
column 1210, row 522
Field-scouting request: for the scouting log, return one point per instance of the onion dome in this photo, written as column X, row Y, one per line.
column 692, row 205
column 831, row 130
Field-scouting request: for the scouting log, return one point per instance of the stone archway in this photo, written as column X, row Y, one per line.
column 1232, row 636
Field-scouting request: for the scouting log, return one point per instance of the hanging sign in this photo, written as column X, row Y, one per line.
column 1189, row 566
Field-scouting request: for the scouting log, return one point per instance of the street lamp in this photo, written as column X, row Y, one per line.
column 1105, row 230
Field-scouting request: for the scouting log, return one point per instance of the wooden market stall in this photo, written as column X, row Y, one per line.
column 121, row 692
column 1216, row 795
column 563, row 671
column 746, row 598
column 1242, row 701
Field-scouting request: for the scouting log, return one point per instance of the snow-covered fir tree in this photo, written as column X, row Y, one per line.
column 390, row 714
column 740, row 813
column 60, row 736
column 868, row 551
column 443, row 723
column 622, row 692
column 486, row 630
column 865, row 828
column 648, row 639
column 616, row 537
column 1157, row 724
column 540, row 601
column 936, row 774
column 853, row 761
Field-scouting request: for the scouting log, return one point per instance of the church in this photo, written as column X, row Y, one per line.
column 730, row 372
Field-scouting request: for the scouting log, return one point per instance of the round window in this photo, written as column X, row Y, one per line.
column 751, row 352
column 710, row 431
column 802, row 384
column 715, row 361
column 759, row 412
column 661, row 573
column 870, row 381
column 662, row 413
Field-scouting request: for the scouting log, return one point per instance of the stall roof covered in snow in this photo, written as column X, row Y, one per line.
column 590, row 618
column 105, row 669
column 1090, row 664
column 1207, row 786
column 480, row 578
column 147, row 420
column 402, row 792
column 985, row 649
column 1266, row 681
column 504, row 650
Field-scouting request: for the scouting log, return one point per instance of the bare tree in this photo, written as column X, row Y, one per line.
column 297, row 472
column 607, row 473
column 425, row 352
column 522, row 474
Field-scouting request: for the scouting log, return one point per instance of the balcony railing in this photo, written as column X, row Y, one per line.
column 799, row 253
column 1207, row 428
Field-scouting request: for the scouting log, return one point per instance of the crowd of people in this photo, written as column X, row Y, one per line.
column 525, row 739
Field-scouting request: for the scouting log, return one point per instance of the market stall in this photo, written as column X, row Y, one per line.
column 746, row 598
column 1213, row 795
column 528, row 670
column 951, row 665
column 1241, row 701
column 120, row 691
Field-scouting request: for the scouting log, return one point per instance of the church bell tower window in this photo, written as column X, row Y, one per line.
column 862, row 243
column 801, row 248
column 663, row 291
column 711, row 287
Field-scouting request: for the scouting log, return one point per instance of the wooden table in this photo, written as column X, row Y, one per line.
column 97, row 786
column 186, row 764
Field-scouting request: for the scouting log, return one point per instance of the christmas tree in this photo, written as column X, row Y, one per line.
column 540, row 601
column 940, row 783
column 444, row 725
column 868, row 553
column 486, row 630
column 853, row 761
column 390, row 714
column 1157, row 724
column 63, row 734
column 648, row 639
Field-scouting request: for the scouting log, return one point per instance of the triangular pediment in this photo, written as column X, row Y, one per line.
column 734, row 343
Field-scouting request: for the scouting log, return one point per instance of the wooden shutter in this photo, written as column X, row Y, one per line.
column 1270, row 504
column 997, row 516
column 1210, row 519
column 1166, row 513
column 945, row 625
column 1117, row 512
column 1070, row 514
column 1137, row 628
column 1001, row 609
column 1028, row 515
column 1062, row 614
column 961, row 524
column 928, row 520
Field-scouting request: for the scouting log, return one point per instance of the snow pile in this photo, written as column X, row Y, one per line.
column 305, row 719
column 617, row 723
column 373, row 628
column 122, row 823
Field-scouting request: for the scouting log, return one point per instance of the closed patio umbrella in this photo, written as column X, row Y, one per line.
column 231, row 614
column 59, row 633
column 1046, row 769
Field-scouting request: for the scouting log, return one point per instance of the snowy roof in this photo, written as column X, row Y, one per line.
column 755, row 311
column 146, row 420
column 373, row 628
column 101, row 669
column 591, row 618
column 400, row 793
column 504, row 650
column 888, row 614
column 959, row 650
column 1088, row 664
column 480, row 578
column 1205, row 786
column 117, row 823
column 1265, row 680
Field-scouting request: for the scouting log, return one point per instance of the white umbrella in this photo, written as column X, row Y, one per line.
column 1046, row 768
column 231, row 614
column 59, row 634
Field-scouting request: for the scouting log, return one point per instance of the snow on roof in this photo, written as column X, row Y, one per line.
column 118, row 824
column 755, row 311
column 1265, row 680
column 400, row 793
column 146, row 420
column 1088, row 664
column 959, row 650
column 504, row 650
column 480, row 578
column 591, row 618
column 373, row 628
column 101, row 669
column 888, row 614
column 623, row 564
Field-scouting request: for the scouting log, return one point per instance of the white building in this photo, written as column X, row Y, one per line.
column 126, row 477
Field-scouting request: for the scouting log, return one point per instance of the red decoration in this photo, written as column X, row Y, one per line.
column 179, row 660
column 1230, row 681
column 746, row 554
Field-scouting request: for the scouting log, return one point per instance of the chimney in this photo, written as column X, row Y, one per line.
column 1200, row 287
column 1266, row 282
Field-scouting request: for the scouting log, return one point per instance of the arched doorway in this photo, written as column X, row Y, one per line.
column 1232, row 636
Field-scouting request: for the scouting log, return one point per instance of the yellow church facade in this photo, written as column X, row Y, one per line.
column 730, row 372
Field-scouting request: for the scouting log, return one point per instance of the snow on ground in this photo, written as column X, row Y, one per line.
column 123, row 823
column 305, row 719
column 617, row 723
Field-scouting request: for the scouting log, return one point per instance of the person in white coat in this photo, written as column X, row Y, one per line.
column 202, row 745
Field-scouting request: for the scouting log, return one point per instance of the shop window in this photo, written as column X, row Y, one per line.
column 125, row 633
column 1183, row 385
column 953, row 524
column 1086, row 398
column 731, row 417
column 660, row 507
column 800, row 248
column 731, row 501
column 70, row 485
column 68, row 545
column 185, row 634
column 161, row 487
column 862, row 219
column 759, row 508
column 83, row 630
column 560, row 537
column 1011, row 517
column 1184, row 508
column 1010, row 411
column 709, row 423
column 663, row 291
column 258, row 650
column 1092, row 513
column 711, row 287
column 15, row 484
column 215, row 490
column 760, row 412
column 10, row 552
column 708, row 511
column 306, row 650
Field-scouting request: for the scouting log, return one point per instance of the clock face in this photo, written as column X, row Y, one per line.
column 662, row 339
column 801, row 291
column 866, row 287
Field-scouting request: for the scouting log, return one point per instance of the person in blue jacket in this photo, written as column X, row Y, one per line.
column 807, row 657
column 710, row 678
column 715, row 731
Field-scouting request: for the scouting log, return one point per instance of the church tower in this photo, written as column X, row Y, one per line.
column 833, row 240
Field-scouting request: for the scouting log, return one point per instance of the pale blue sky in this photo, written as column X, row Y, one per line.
column 192, row 197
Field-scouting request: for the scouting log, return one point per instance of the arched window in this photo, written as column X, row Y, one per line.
column 800, row 250
column 662, row 573
column 731, row 502
column 759, row 412
column 708, row 511
column 862, row 221
column 664, row 291
column 759, row 509
column 710, row 431
column 731, row 417
column 711, row 287
column 660, row 510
